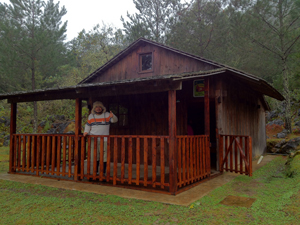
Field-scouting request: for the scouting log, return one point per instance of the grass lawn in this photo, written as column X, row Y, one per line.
column 277, row 202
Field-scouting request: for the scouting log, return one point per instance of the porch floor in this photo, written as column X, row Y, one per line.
column 185, row 198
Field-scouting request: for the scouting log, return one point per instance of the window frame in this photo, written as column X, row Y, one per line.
column 117, row 124
column 140, row 62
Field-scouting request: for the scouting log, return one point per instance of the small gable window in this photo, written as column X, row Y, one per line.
column 145, row 62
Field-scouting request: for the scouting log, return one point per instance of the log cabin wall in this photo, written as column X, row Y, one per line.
column 164, row 62
column 240, row 112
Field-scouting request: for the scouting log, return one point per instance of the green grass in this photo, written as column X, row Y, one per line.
column 277, row 202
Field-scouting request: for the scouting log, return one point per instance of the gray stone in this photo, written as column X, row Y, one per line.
column 7, row 137
column 291, row 145
column 70, row 132
column 281, row 135
column 280, row 144
column 271, row 115
column 277, row 122
column 62, row 127
column 275, row 150
column 6, row 143
column 42, row 124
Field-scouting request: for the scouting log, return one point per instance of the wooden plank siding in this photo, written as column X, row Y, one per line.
column 240, row 112
column 164, row 62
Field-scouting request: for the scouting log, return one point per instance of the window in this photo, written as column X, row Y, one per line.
column 145, row 61
column 121, row 112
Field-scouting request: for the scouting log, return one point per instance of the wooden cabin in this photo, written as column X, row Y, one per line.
column 159, row 95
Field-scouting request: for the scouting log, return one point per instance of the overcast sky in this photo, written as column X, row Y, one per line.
column 85, row 14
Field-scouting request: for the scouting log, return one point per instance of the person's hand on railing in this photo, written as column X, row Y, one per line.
column 85, row 133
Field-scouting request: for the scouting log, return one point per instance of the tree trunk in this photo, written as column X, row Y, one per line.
column 286, row 93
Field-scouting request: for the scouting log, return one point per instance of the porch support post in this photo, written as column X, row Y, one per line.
column 78, row 108
column 13, row 126
column 172, row 142
column 206, row 106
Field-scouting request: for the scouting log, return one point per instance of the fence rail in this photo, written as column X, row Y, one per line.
column 132, row 160
column 193, row 159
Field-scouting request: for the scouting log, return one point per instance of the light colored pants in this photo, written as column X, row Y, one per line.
column 98, row 153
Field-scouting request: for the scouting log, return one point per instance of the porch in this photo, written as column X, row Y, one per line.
column 134, row 161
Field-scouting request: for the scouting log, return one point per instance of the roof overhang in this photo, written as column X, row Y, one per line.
column 138, row 86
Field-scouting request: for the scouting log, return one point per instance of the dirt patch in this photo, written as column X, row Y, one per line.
column 273, row 129
column 249, row 189
column 238, row 201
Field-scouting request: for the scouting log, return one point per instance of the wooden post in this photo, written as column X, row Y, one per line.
column 13, row 126
column 172, row 142
column 206, row 106
column 77, row 140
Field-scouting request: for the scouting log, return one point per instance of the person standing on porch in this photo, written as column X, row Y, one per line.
column 98, row 124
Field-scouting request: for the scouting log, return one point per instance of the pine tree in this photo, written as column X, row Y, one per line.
column 32, row 45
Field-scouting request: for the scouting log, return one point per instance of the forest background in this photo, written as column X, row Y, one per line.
column 259, row 37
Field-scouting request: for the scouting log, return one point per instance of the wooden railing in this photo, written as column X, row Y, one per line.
column 236, row 154
column 131, row 160
column 193, row 159
column 134, row 160
column 48, row 154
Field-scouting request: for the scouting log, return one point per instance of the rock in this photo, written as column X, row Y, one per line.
column 291, row 145
column 297, row 124
column 7, row 137
column 271, row 115
column 7, row 123
column 277, row 122
column 42, row 124
column 70, row 132
column 280, row 144
column 62, row 127
column 60, row 117
column 51, row 131
column 6, row 143
column 275, row 150
column 281, row 135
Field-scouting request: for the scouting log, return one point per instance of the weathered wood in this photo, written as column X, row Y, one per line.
column 53, row 154
column 70, row 156
column 95, row 158
column 58, row 155
column 33, row 153
column 38, row 159
column 179, row 161
column 24, row 154
column 89, row 157
column 82, row 157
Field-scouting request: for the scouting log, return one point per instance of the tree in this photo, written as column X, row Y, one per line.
column 91, row 50
column 154, row 19
column 279, row 34
column 32, row 36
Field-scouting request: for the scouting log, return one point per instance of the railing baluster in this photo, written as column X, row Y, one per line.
column 241, row 159
column 53, row 155
column 123, row 160
column 58, row 155
column 145, row 161
column 179, row 161
column 108, row 160
column 33, row 154
column 115, row 161
column 235, row 156
column 64, row 155
column 162, row 163
column 24, row 154
column 38, row 152
column 70, row 155
column 183, row 161
column 19, row 154
column 82, row 156
column 137, row 161
column 94, row 168
column 187, row 160
column 88, row 168
column 102, row 157
column 153, row 162
column 129, row 160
